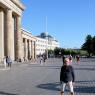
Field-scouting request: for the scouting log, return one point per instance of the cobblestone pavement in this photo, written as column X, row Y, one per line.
column 33, row 78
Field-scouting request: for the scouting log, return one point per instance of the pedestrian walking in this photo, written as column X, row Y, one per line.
column 9, row 61
column 78, row 59
column 44, row 58
column 63, row 58
column 67, row 76
column 41, row 59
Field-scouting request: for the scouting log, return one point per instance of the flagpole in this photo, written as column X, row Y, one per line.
column 46, row 23
column 46, row 39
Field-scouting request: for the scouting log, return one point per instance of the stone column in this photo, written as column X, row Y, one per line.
column 23, row 49
column 30, row 49
column 12, row 41
column 1, row 35
column 19, row 39
column 34, row 49
column 26, row 49
column 10, row 34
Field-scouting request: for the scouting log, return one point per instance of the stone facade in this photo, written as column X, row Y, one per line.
column 10, row 29
column 29, row 46
column 44, row 43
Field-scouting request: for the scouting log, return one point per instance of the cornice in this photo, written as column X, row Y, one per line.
column 19, row 4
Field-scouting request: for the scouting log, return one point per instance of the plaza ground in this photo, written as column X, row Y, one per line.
column 33, row 78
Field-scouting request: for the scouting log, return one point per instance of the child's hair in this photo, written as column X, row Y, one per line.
column 66, row 60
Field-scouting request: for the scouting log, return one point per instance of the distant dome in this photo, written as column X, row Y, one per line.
column 44, row 34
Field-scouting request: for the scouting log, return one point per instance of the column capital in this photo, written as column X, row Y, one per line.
column 9, row 11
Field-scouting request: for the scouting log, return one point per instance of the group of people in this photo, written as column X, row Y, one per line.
column 67, row 76
column 7, row 61
column 42, row 59
column 77, row 57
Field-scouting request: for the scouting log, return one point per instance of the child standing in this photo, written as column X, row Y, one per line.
column 67, row 76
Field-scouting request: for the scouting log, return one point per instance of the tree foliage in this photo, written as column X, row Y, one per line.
column 93, row 45
column 62, row 51
column 89, row 45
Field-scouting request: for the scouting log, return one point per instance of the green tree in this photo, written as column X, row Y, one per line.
column 93, row 45
column 56, row 51
column 62, row 51
column 67, row 51
column 88, row 45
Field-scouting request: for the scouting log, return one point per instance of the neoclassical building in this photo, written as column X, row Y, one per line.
column 45, row 42
column 16, row 42
column 29, row 45
column 10, row 29
column 41, row 45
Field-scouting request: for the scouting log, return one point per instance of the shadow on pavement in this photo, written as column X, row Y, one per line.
column 85, row 86
column 50, row 86
column 5, row 93
column 85, row 89
column 81, row 87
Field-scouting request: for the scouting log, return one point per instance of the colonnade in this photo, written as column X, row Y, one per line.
column 10, row 29
column 12, row 42
column 10, row 35
column 29, row 49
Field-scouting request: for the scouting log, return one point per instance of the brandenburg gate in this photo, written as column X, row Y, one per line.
column 10, row 29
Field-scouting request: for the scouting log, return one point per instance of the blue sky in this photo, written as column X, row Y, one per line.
column 69, row 21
